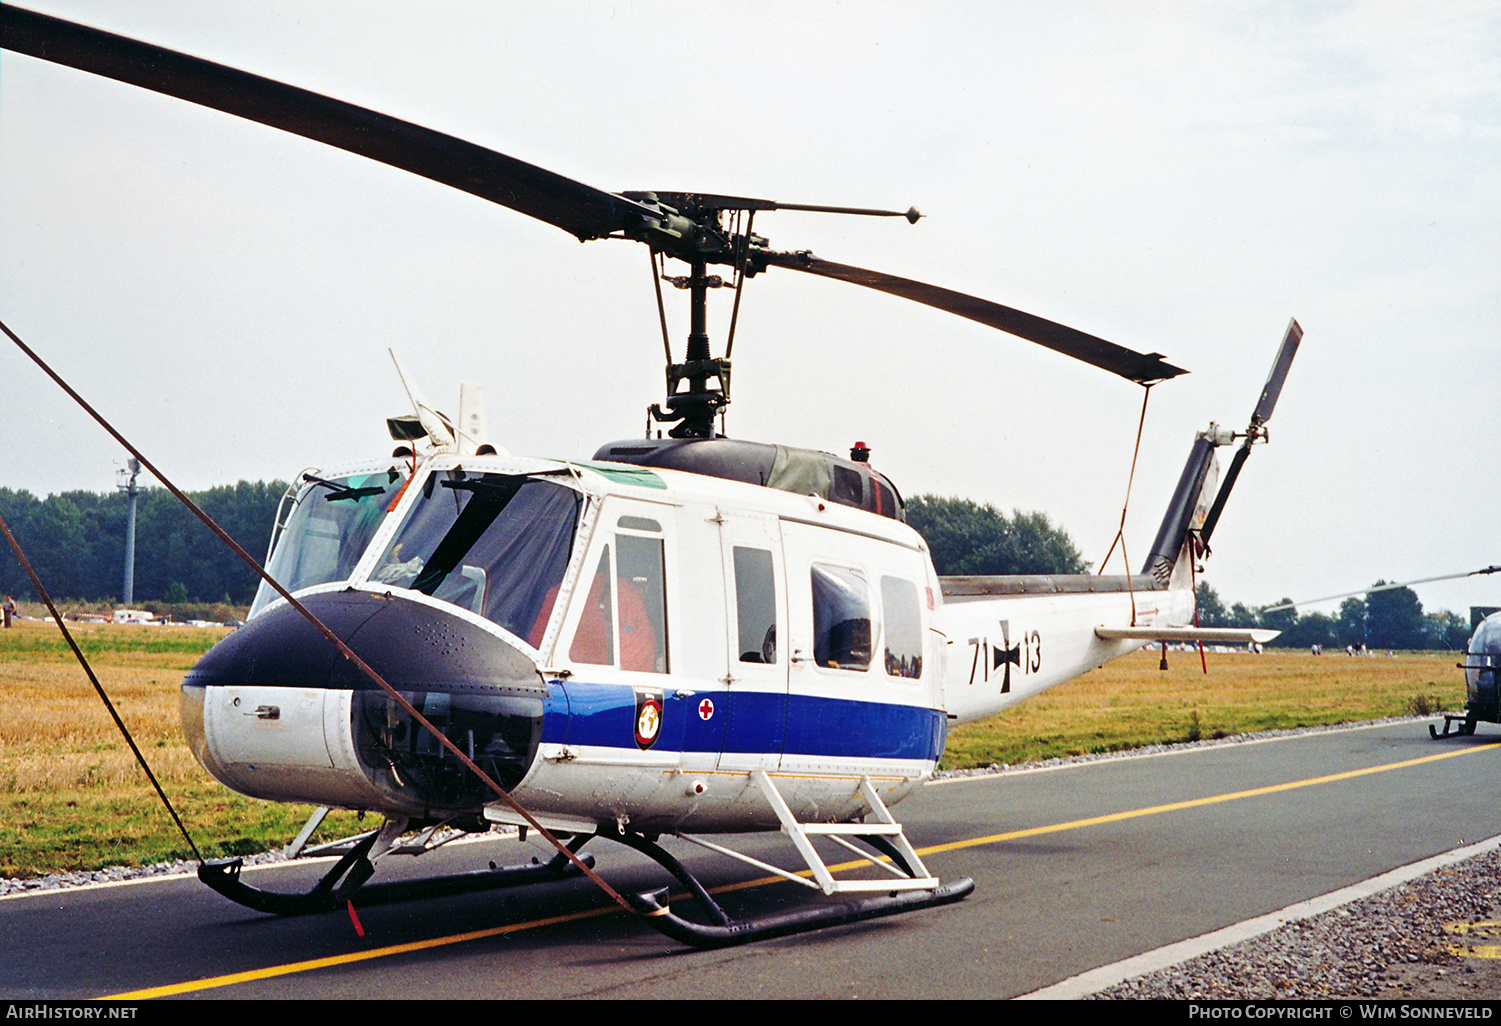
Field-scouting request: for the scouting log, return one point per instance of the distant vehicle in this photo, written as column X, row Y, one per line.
column 1482, row 696
column 133, row 616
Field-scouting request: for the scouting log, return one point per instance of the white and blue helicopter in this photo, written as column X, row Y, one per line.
column 683, row 636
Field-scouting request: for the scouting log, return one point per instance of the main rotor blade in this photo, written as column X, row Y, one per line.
column 685, row 201
column 578, row 209
column 1139, row 367
column 1380, row 587
column 1278, row 375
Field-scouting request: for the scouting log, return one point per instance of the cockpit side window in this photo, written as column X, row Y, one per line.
column 495, row 544
column 594, row 638
column 643, row 604
column 626, row 600
column 333, row 522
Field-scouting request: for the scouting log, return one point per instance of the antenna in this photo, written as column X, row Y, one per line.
column 130, row 489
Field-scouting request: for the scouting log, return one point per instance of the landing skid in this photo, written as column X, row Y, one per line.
column 355, row 867
column 1467, row 726
column 906, row 887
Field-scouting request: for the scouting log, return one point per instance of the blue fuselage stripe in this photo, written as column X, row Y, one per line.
column 605, row 715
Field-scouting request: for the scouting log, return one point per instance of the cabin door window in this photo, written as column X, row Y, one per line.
column 903, row 622
column 841, row 617
column 753, row 704
column 755, row 605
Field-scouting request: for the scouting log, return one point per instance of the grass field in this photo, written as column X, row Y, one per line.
column 1130, row 702
column 73, row 798
column 71, row 794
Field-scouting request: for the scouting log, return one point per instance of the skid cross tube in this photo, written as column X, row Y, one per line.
column 911, row 889
column 724, row 932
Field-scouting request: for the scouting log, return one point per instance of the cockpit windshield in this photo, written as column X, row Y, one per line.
column 1487, row 639
column 331, row 525
column 495, row 544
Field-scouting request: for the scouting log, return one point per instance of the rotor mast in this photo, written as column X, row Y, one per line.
column 692, row 229
column 708, row 378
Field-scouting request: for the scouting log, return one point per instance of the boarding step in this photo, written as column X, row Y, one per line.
column 886, row 826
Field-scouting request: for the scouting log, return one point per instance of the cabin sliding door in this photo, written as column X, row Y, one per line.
column 755, row 695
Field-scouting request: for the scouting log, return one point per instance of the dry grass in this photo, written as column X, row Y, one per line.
column 71, row 793
column 1130, row 702
column 54, row 731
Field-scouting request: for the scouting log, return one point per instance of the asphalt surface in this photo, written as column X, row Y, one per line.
column 1075, row 866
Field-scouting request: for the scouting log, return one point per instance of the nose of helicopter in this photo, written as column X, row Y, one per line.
column 275, row 711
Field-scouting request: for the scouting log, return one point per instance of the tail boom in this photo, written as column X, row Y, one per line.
column 1009, row 638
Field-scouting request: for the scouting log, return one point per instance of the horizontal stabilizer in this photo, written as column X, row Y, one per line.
column 1208, row 635
column 1045, row 584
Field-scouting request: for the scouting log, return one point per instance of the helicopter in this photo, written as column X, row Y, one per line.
column 685, row 636
column 1482, row 697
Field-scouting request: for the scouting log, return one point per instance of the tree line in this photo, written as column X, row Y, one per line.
column 75, row 541
column 1390, row 619
column 965, row 538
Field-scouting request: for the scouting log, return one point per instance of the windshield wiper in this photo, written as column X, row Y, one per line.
column 490, row 494
column 343, row 491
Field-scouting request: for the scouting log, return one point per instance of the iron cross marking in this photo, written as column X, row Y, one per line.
column 1007, row 654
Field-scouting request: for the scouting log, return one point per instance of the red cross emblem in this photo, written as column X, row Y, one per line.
column 705, row 709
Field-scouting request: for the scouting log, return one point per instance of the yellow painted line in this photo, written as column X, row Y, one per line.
column 1484, row 928
column 293, row 968
column 1194, row 803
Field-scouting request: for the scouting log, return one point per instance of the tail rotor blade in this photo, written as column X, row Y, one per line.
column 1231, row 473
column 1278, row 375
column 1259, row 417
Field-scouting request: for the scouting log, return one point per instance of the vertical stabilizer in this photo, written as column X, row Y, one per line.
column 1188, row 508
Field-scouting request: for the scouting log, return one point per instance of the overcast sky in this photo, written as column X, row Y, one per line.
column 1176, row 177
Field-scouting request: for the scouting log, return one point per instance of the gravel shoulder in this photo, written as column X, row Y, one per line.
column 1400, row 943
